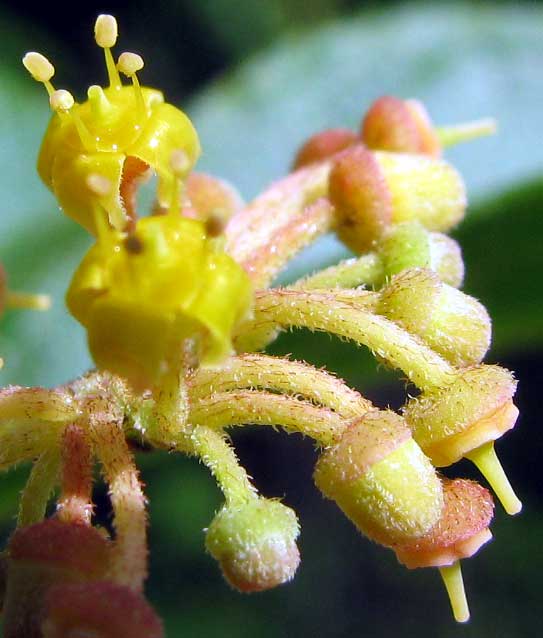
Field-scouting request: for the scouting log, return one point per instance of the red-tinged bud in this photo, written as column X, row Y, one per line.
column 410, row 245
column 381, row 480
column 98, row 610
column 459, row 533
column 398, row 125
column 372, row 190
column 363, row 201
column 463, row 419
column 255, row 544
column 44, row 555
column 324, row 145
column 449, row 321
column 212, row 200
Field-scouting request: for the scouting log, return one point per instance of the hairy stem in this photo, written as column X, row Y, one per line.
column 244, row 407
column 218, row 456
column 330, row 312
column 267, row 261
column 366, row 270
column 254, row 226
column 39, row 487
column 259, row 371
column 130, row 557
column 75, row 502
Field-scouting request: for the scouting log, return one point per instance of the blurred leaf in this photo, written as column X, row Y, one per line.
column 463, row 61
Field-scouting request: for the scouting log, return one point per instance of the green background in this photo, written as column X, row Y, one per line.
column 258, row 78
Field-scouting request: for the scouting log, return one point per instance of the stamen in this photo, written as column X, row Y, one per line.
column 180, row 165
column 27, row 301
column 129, row 64
column 62, row 103
column 100, row 186
column 40, row 69
column 457, row 133
column 486, row 460
column 454, row 584
column 105, row 34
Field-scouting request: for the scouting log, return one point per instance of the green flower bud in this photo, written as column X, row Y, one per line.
column 381, row 480
column 410, row 245
column 255, row 544
column 449, row 321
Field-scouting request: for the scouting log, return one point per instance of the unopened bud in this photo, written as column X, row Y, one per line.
column 372, row 190
column 454, row 324
column 463, row 418
column 362, row 199
column 377, row 456
column 324, row 145
column 212, row 198
column 398, row 125
column 44, row 555
column 101, row 610
column 255, row 544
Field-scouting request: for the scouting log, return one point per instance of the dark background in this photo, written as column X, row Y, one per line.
column 258, row 77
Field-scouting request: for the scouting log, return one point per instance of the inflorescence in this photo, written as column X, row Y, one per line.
column 178, row 306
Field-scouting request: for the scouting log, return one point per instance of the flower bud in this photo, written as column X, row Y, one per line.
column 449, row 321
column 371, row 191
column 211, row 198
column 43, row 555
column 410, row 245
column 464, row 418
column 100, row 610
column 398, row 125
column 381, row 480
column 255, row 544
column 323, row 145
column 460, row 532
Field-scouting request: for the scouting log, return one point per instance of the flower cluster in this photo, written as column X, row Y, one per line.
column 177, row 306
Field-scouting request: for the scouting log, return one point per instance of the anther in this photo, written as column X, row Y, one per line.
column 99, row 184
column 130, row 63
column 105, row 31
column 105, row 34
column 40, row 69
column 179, row 162
column 62, row 102
column 133, row 245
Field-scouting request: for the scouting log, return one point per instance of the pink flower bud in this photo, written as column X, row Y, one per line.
column 100, row 610
column 399, row 125
column 323, row 145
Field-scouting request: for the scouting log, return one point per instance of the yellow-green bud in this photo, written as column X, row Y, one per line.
column 381, row 480
column 410, row 245
column 255, row 544
column 449, row 321
column 474, row 408
column 372, row 190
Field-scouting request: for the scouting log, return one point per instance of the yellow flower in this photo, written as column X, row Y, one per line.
column 141, row 295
